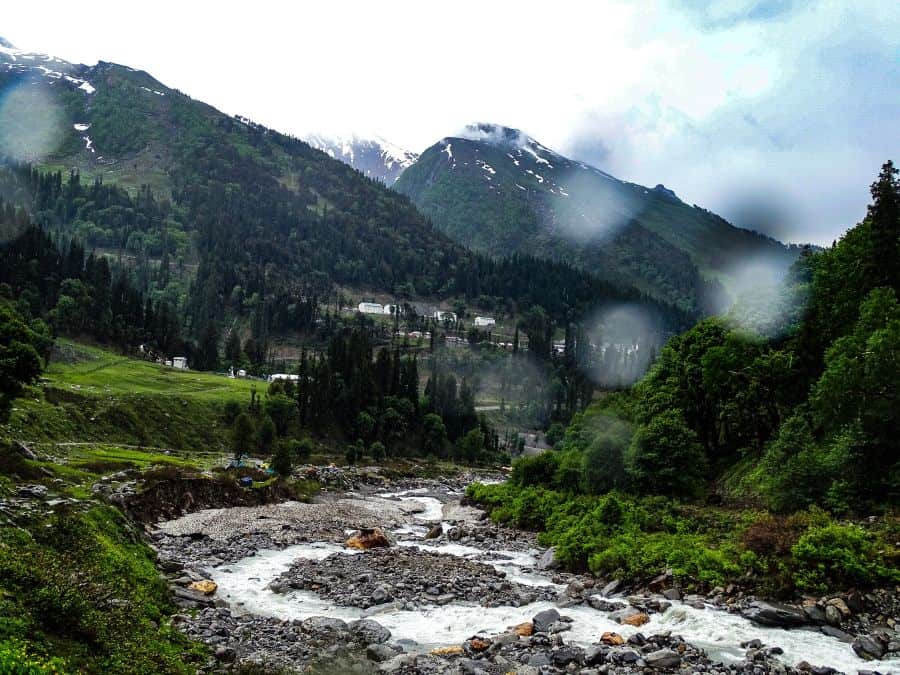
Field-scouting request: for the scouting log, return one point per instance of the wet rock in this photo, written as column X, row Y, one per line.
column 547, row 561
column 774, row 614
column 610, row 588
column 380, row 652
column 638, row 619
column 398, row 663
column 205, row 586
column 595, row 655
column 663, row 658
column 614, row 639
column 564, row 656
column 600, row 603
column 833, row 615
column 755, row 643
column 575, row 589
column 435, row 531
column 368, row 538
column 367, row 632
column 672, row 594
column 622, row 615
column 326, row 627
column 831, row 631
column 543, row 620
column 868, row 648
column 524, row 629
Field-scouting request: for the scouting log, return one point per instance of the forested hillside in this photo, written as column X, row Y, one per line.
column 802, row 421
column 220, row 218
column 500, row 191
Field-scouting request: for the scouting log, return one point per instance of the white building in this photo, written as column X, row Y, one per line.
column 484, row 321
column 444, row 316
column 283, row 377
column 370, row 308
column 179, row 362
column 393, row 309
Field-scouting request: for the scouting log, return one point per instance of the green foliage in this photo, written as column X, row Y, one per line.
column 20, row 357
column 839, row 556
column 666, row 458
column 635, row 539
column 283, row 460
column 265, row 435
column 241, row 435
column 81, row 587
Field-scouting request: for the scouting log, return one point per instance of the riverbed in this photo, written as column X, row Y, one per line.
column 245, row 585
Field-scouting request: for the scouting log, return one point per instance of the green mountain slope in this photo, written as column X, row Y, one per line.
column 498, row 191
column 223, row 216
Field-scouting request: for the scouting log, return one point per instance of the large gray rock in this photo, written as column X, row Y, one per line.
column 367, row 631
column 868, row 648
column 547, row 561
column 775, row 615
column 662, row 658
column 620, row 615
column 543, row 620
column 326, row 627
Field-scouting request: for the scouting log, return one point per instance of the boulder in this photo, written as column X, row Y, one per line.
column 326, row 627
column 225, row 654
column 435, row 531
column 575, row 589
column 452, row 650
column 367, row 538
column 833, row 615
column 868, row 648
column 598, row 602
column 524, row 629
column 840, row 605
column 543, row 620
column 613, row 639
column 638, row 619
column 205, row 586
column 662, row 658
column 547, row 561
column 380, row 652
column 775, row 615
column 367, row 632
column 621, row 615
column 563, row 656
column 672, row 594
column 831, row 631
column 610, row 588
column 595, row 655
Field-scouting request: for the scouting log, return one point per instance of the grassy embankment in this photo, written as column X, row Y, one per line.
column 79, row 590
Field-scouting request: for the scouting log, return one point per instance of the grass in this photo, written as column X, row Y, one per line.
column 97, row 371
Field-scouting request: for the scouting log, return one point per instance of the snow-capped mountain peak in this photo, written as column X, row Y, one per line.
column 373, row 156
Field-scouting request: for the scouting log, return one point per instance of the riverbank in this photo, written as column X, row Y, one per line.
column 454, row 592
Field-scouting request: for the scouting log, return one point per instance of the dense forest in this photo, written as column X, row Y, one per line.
column 806, row 419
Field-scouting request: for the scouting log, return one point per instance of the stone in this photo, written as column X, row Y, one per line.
column 831, row 631
column 619, row 616
column 775, row 615
column 755, row 643
column 435, row 531
column 367, row 538
column 610, row 588
column 662, row 658
column 32, row 491
column 566, row 655
column 815, row 613
column 381, row 595
column 868, row 648
column 452, row 650
column 191, row 596
column 325, row 626
column 380, row 652
column 367, row 631
column 638, row 619
column 524, row 629
column 672, row 594
column 833, row 615
column 614, row 639
column 547, row 561
column 595, row 655
column 225, row 654
column 477, row 644
column 539, row 660
column 398, row 663
column 205, row 586
column 840, row 605
column 599, row 603
column 543, row 620
column 575, row 589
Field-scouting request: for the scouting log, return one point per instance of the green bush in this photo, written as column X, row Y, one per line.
column 839, row 556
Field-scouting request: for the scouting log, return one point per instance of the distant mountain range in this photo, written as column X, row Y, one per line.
column 227, row 218
column 499, row 191
column 374, row 157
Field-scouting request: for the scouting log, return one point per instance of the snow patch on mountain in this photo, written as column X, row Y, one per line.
column 373, row 156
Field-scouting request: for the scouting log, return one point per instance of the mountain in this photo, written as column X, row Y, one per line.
column 373, row 157
column 501, row 191
column 224, row 218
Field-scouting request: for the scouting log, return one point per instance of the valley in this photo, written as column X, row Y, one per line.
column 277, row 402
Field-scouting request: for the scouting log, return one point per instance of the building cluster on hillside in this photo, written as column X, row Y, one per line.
column 378, row 308
column 441, row 315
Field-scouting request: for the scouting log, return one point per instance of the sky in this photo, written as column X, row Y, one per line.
column 776, row 114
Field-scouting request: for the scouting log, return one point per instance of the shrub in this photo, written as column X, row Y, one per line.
column 837, row 556
column 537, row 470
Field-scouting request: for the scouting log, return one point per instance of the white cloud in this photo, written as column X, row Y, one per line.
column 706, row 97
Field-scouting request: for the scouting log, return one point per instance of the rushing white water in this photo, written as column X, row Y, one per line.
column 244, row 584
